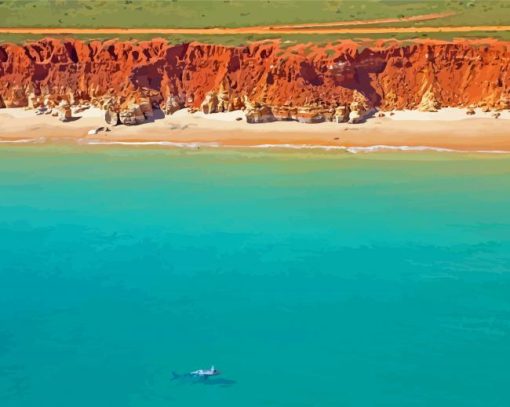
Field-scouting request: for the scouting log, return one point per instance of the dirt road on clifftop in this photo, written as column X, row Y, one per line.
column 340, row 27
column 233, row 31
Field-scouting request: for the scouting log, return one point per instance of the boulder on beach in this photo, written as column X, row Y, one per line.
column 132, row 115
column 341, row 114
column 111, row 118
column 64, row 111
column 34, row 101
column 146, row 108
column 173, row 104
column 358, row 108
column 17, row 98
column 210, row 103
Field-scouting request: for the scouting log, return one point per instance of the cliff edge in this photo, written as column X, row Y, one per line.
column 306, row 83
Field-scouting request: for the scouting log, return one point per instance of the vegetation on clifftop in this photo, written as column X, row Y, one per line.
column 239, row 13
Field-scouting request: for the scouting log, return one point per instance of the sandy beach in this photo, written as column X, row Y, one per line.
column 450, row 129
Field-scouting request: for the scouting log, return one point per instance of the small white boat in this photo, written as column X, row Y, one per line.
column 205, row 372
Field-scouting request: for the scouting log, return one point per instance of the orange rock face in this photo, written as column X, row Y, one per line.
column 388, row 77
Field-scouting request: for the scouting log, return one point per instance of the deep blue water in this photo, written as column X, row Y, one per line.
column 323, row 279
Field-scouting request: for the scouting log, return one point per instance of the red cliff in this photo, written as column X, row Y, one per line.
column 300, row 81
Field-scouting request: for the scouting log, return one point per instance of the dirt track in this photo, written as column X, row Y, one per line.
column 341, row 27
column 422, row 17
column 233, row 31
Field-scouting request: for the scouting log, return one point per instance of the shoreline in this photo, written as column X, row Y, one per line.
column 449, row 130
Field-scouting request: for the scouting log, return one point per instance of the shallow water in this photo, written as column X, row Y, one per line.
column 308, row 279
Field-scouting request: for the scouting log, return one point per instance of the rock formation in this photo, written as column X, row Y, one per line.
column 344, row 83
column 428, row 102
column 64, row 111
column 172, row 104
column 132, row 115
column 358, row 108
column 342, row 114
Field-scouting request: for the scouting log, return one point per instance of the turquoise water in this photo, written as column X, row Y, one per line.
column 323, row 279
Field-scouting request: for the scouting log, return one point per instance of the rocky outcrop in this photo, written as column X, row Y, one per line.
column 111, row 117
column 64, row 111
column 131, row 115
column 222, row 100
column 429, row 102
column 341, row 114
column 343, row 81
column 173, row 103
column 358, row 108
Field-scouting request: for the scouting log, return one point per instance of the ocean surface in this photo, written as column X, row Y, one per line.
column 318, row 279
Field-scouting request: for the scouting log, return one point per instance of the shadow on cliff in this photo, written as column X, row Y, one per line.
column 363, row 71
column 157, row 114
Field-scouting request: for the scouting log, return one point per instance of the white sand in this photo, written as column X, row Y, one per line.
column 22, row 113
column 445, row 114
column 448, row 129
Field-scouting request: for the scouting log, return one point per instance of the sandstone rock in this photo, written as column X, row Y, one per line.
column 146, row 108
column 496, row 115
column 2, row 104
column 108, row 103
column 17, row 98
column 257, row 113
column 355, row 117
column 283, row 113
column 34, row 101
column 260, row 114
column 223, row 100
column 132, row 115
column 503, row 103
column 428, row 102
column 64, row 111
column 235, row 103
column 210, row 103
column 173, row 103
column 111, row 118
column 470, row 111
column 358, row 108
column 341, row 114
column 49, row 101
column 310, row 114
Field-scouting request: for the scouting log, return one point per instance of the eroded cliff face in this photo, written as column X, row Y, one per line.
column 303, row 83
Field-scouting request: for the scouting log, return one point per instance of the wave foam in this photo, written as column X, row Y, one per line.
column 150, row 143
column 377, row 148
column 382, row 147
column 301, row 147
column 21, row 141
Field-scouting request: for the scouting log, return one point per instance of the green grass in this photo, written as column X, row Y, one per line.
column 467, row 13
column 235, row 13
column 286, row 40
column 199, row 13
